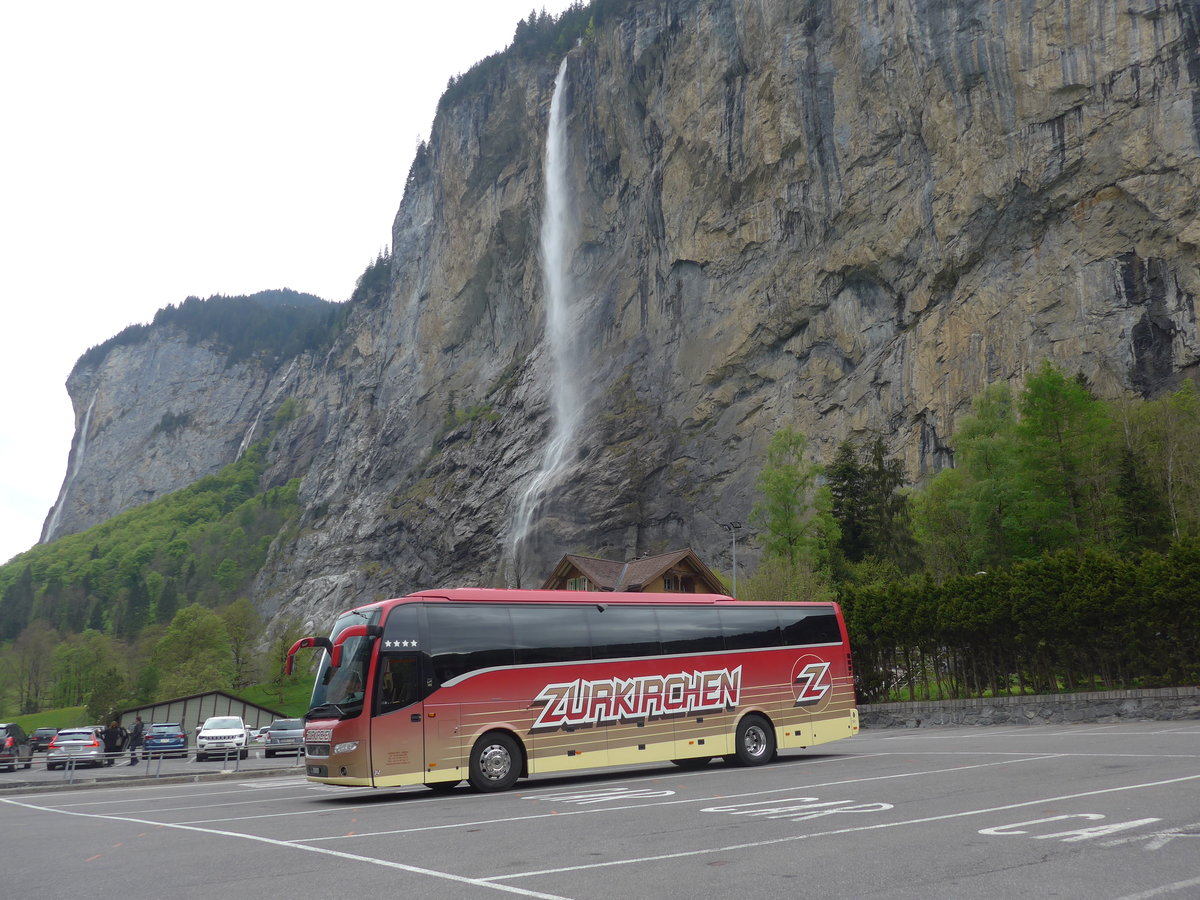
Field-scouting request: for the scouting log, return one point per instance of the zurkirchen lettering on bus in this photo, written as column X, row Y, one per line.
column 489, row 686
column 582, row 702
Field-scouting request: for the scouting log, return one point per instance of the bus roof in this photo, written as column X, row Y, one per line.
column 516, row 595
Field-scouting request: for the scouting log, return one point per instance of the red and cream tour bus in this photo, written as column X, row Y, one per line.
column 492, row 685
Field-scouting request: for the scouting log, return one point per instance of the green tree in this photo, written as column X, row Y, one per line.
column 194, row 654
column 278, row 679
column 1144, row 520
column 942, row 525
column 16, row 601
column 1165, row 433
column 992, row 493
column 245, row 627
column 888, row 518
column 1066, row 453
column 31, row 665
column 229, row 576
column 845, row 478
column 789, row 515
column 794, row 521
column 871, row 509
column 77, row 665
column 106, row 694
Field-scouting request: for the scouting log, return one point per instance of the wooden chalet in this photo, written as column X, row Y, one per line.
column 680, row 571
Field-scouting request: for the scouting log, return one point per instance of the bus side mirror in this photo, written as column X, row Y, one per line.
column 302, row 644
column 368, row 631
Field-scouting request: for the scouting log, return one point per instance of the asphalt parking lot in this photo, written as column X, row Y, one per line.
column 1098, row 811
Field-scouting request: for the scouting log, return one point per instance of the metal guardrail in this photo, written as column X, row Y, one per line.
column 152, row 760
column 150, row 763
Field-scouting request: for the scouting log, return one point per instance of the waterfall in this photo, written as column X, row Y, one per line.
column 557, row 242
column 248, row 435
column 72, row 470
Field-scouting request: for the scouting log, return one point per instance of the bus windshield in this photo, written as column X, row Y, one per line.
column 339, row 692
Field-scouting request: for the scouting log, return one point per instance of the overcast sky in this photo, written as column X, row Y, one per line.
column 151, row 151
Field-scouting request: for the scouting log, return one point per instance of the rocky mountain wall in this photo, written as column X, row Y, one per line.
column 842, row 218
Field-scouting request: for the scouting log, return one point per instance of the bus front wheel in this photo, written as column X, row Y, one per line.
column 495, row 762
column 754, row 743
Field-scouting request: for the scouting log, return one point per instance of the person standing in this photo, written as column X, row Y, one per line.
column 112, row 742
column 135, row 740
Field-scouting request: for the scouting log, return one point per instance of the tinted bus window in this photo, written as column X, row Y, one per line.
column 548, row 634
column 694, row 629
column 402, row 626
column 810, row 626
column 466, row 637
column 399, row 681
column 748, row 627
column 623, row 631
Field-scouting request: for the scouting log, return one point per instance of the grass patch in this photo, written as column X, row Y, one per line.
column 67, row 717
column 296, row 694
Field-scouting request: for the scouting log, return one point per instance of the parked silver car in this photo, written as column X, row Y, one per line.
column 285, row 736
column 83, row 745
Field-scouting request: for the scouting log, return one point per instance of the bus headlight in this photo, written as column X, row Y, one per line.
column 348, row 747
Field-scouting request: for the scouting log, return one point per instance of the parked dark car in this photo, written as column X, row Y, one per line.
column 15, row 748
column 166, row 739
column 41, row 738
column 285, row 736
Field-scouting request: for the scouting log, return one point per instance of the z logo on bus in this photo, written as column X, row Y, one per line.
column 812, row 683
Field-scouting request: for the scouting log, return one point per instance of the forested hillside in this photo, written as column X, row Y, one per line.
column 154, row 602
column 277, row 324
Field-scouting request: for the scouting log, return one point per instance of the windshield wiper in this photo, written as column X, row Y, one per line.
column 326, row 708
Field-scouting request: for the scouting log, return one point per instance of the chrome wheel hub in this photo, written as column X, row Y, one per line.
column 755, row 741
column 494, row 762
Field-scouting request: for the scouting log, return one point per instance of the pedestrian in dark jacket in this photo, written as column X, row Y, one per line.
column 135, row 740
column 112, row 742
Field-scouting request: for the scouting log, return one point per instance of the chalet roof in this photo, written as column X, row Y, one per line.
column 610, row 575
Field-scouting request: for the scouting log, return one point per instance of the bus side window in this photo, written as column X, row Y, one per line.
column 398, row 686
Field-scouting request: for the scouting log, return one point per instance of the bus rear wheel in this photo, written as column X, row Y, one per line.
column 754, row 743
column 495, row 762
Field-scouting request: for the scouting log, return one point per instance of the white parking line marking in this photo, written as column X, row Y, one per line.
column 141, row 796
column 858, row 828
column 705, row 799
column 353, row 857
column 1165, row 889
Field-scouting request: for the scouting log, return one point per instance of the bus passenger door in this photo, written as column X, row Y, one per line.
column 398, row 721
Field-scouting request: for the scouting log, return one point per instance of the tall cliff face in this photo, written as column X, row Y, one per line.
column 161, row 413
column 842, row 218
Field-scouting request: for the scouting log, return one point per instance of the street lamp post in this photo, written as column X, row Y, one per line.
column 733, row 528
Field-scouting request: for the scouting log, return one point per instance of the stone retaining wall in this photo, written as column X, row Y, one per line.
column 1162, row 704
